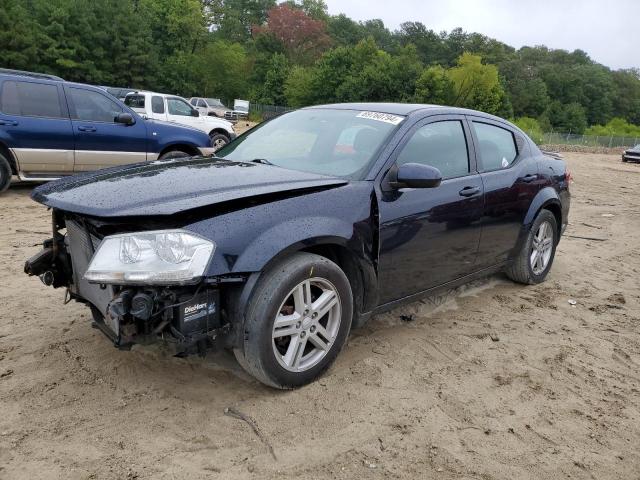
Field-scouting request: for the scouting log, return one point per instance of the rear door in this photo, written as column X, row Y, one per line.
column 430, row 236
column 100, row 141
column 34, row 122
column 510, row 179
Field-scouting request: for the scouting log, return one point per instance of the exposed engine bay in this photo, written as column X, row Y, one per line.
column 189, row 317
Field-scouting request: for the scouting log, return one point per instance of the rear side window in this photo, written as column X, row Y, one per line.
column 497, row 146
column 441, row 145
column 157, row 104
column 30, row 99
column 93, row 106
column 134, row 101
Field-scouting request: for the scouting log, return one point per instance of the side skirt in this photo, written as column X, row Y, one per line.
column 425, row 293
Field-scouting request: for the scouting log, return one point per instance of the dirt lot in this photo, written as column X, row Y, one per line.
column 495, row 380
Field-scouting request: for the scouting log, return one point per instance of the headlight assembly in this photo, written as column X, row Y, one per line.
column 158, row 257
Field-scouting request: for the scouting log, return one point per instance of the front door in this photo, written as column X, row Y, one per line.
column 430, row 236
column 179, row 111
column 99, row 141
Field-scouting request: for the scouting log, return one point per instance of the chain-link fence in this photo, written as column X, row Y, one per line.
column 267, row 111
column 609, row 141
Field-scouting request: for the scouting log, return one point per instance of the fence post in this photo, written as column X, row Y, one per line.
column 610, row 140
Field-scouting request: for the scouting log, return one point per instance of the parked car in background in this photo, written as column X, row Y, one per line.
column 210, row 106
column 306, row 225
column 50, row 128
column 118, row 92
column 172, row 108
column 632, row 154
column 240, row 110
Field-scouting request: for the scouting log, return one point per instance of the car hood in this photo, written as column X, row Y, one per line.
column 216, row 121
column 167, row 187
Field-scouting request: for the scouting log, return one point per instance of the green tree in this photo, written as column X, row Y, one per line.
column 567, row 118
column 298, row 87
column 476, row 85
column 433, row 86
column 272, row 91
column 531, row 127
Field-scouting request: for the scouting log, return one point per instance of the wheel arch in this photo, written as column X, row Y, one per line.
column 219, row 130
column 6, row 152
column 548, row 199
column 182, row 147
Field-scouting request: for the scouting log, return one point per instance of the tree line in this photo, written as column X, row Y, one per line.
column 294, row 53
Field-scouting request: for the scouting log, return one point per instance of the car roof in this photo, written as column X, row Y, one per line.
column 406, row 109
column 22, row 73
column 148, row 92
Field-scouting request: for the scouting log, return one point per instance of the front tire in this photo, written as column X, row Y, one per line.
column 296, row 322
column 536, row 256
column 174, row 154
column 5, row 173
column 219, row 140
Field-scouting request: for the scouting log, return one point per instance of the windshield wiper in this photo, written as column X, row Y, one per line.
column 262, row 161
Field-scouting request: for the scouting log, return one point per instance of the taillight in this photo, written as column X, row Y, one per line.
column 567, row 176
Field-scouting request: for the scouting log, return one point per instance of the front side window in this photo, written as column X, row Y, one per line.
column 157, row 104
column 339, row 143
column 441, row 145
column 92, row 106
column 202, row 104
column 30, row 99
column 496, row 145
column 177, row 106
column 193, row 101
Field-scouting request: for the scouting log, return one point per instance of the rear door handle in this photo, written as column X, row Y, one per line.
column 86, row 129
column 469, row 191
column 529, row 178
column 8, row 123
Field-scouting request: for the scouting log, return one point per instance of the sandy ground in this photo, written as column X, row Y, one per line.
column 494, row 381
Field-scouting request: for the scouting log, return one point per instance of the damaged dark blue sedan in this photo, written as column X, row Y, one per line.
column 301, row 229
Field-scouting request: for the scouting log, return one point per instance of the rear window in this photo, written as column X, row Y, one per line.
column 134, row 101
column 30, row 99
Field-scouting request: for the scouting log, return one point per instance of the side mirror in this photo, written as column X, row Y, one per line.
column 416, row 175
column 195, row 113
column 125, row 118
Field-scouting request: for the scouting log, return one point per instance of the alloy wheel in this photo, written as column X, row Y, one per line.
column 306, row 325
column 541, row 248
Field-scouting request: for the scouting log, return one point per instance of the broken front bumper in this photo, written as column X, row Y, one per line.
column 189, row 317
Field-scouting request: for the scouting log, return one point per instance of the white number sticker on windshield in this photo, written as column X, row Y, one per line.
column 381, row 117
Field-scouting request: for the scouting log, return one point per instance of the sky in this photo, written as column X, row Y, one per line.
column 608, row 30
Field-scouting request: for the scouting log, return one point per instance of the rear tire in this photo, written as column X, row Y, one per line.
column 5, row 173
column 174, row 154
column 291, row 336
column 536, row 256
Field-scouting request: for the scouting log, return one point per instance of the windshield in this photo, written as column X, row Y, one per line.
column 339, row 143
column 214, row 102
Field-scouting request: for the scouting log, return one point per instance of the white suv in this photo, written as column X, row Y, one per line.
column 171, row 108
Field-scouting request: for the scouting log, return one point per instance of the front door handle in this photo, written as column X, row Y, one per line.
column 529, row 178
column 8, row 123
column 469, row 191
column 86, row 129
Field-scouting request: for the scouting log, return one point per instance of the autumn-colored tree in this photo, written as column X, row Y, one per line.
column 303, row 37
